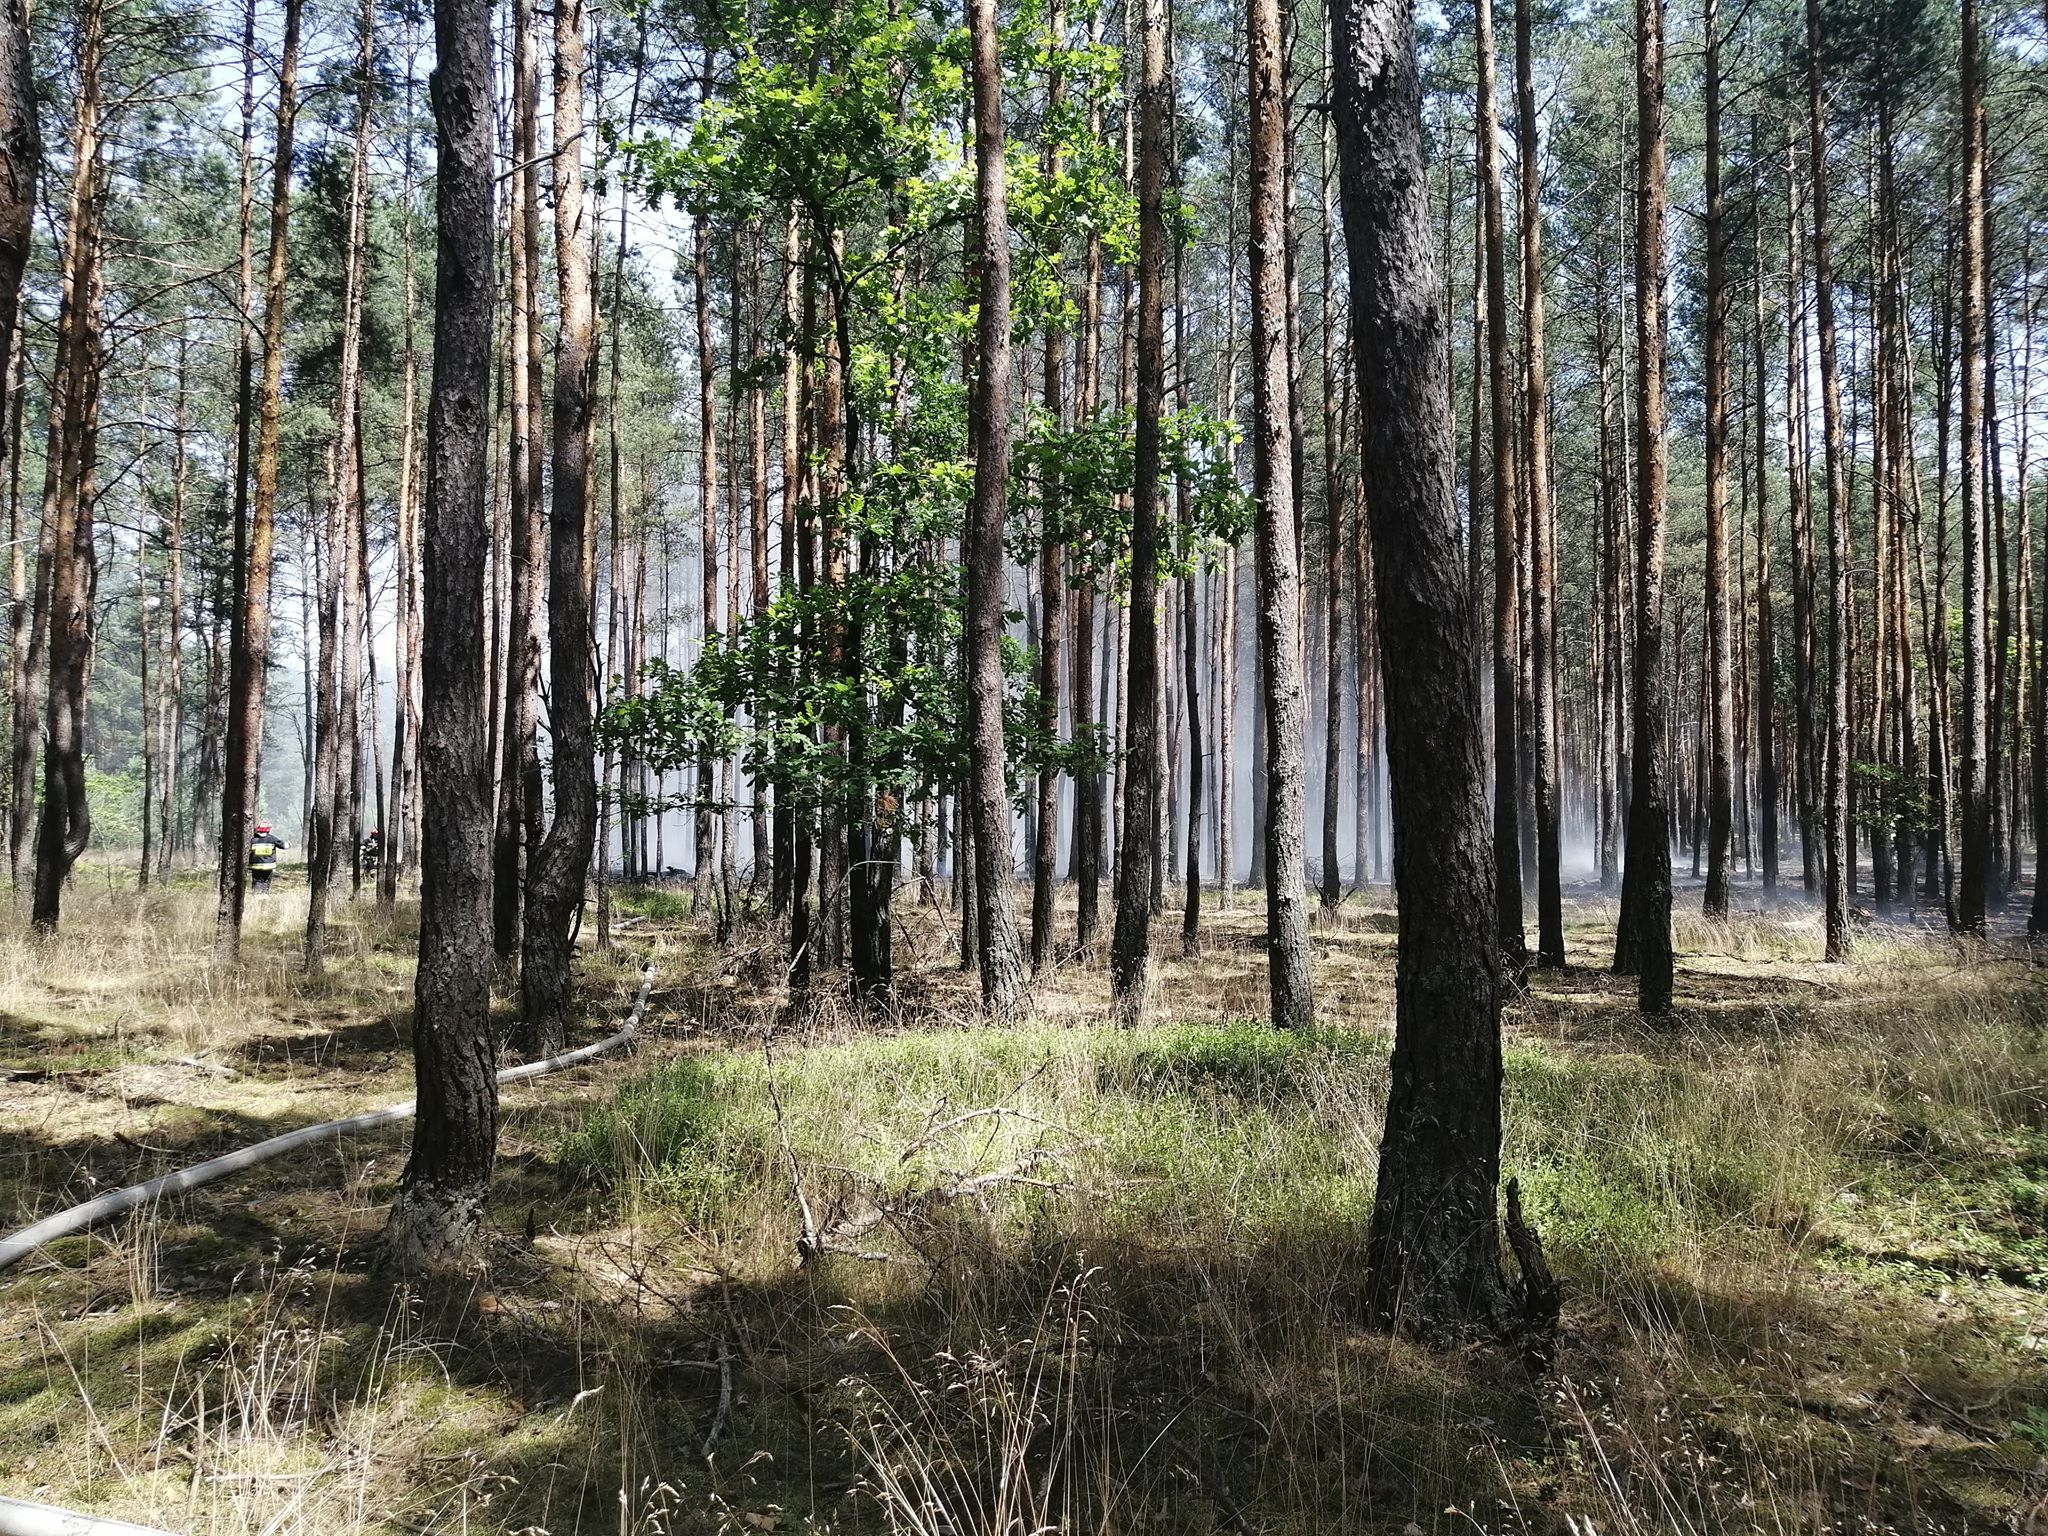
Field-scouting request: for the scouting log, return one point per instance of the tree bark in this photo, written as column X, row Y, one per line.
column 1433, row 1249
column 1507, row 637
column 1804, row 576
column 437, row 1218
column 1052, row 579
column 560, row 866
column 1613, row 709
column 1766, row 628
column 401, row 835
column 1279, row 550
column 1720, row 725
column 1542, row 533
column 249, row 645
column 1087, row 855
column 761, row 815
column 325, row 575
column 1835, row 769
column 339, row 751
column 1333, row 553
column 1643, row 943
column 21, row 161
column 519, row 768
column 65, row 822
column 1975, row 838
column 1137, row 848
column 28, row 643
column 707, row 515
column 1001, row 957
column 170, row 703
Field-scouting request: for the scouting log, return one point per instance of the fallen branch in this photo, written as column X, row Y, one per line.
column 954, row 1122
column 841, row 1233
column 724, row 1399
column 808, row 1241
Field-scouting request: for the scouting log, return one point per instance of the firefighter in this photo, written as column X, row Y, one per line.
column 371, row 853
column 263, row 850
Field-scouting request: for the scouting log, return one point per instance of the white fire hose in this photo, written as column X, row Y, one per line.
column 22, row 1517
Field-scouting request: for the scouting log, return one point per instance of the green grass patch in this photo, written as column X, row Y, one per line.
column 1189, row 1131
column 650, row 901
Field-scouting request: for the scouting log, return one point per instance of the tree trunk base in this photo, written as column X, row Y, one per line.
column 435, row 1232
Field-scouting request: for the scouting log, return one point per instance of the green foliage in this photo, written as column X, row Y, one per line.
column 1888, row 798
column 823, row 107
column 116, row 801
column 1075, row 485
column 807, row 713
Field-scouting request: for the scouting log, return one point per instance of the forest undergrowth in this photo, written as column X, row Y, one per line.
column 789, row 1270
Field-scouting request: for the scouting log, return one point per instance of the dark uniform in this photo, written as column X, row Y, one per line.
column 263, row 851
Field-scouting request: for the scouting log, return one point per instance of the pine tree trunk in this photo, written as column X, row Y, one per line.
column 519, row 770
column 1001, row 957
column 21, row 161
column 145, row 678
column 1279, row 551
column 1052, row 580
column 1137, row 848
column 401, row 842
column 1643, row 942
column 1433, row 1249
column 324, row 540
column 1998, row 595
column 1368, row 852
column 784, row 887
column 1542, row 533
column 757, row 436
column 170, row 702
column 1910, row 742
column 341, row 599
column 28, row 632
column 1507, row 606
column 249, row 654
column 1333, row 553
column 1835, row 771
column 1226, row 731
column 1766, row 627
column 1613, row 693
column 1804, row 577
column 555, row 880
column 707, row 510
column 1087, row 855
column 1720, row 724
column 1226, row 595
column 70, row 477
column 437, row 1218
column 1975, row 839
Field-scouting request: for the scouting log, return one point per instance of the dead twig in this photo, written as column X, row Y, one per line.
column 724, row 1399
column 1541, row 1296
column 807, row 1243
column 858, row 1223
column 954, row 1122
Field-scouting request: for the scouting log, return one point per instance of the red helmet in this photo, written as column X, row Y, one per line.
column 262, row 826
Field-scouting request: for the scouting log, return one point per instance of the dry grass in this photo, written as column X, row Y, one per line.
column 1099, row 1281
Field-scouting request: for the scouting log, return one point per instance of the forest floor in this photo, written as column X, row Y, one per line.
column 1063, row 1277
